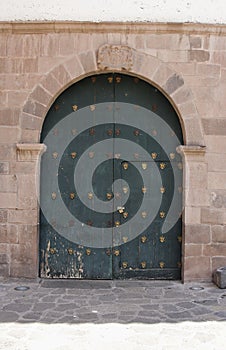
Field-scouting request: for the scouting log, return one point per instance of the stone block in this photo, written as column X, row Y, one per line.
column 31, row 45
column 217, row 43
column 197, row 175
column 216, row 161
column 74, row 67
column 41, row 96
column 173, row 83
column 214, row 126
column 197, row 234
column 196, row 198
column 195, row 42
column 34, row 108
column 217, row 180
column 145, row 65
column 27, row 217
column 88, row 61
column 173, row 56
column 15, row 46
column 31, row 122
column 219, row 57
column 192, row 215
column 23, row 167
column 9, row 135
column 8, row 200
column 46, row 64
column 3, row 233
column 182, row 96
column 184, row 68
column 3, row 215
column 12, row 234
column 8, row 183
column 214, row 249
column 9, row 116
column 61, row 75
column 199, row 55
column 218, row 261
column 197, row 268
column 66, row 44
column 49, row 45
column 193, row 250
column 219, row 277
column 30, row 136
column 208, row 69
column 4, row 168
column 28, row 233
column 215, row 144
column 213, row 216
column 219, row 233
column 4, row 259
column 51, row 84
column 83, row 42
column 27, row 192
column 162, row 74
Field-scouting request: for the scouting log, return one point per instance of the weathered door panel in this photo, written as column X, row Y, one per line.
column 106, row 202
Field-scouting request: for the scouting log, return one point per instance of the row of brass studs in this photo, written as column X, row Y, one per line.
column 162, row 239
column 144, row 264
column 117, row 79
column 144, row 165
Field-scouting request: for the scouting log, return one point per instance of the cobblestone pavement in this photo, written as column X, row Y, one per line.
column 66, row 315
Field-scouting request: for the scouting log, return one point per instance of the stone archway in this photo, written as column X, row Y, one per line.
column 118, row 59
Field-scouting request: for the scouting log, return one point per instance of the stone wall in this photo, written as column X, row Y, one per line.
column 187, row 62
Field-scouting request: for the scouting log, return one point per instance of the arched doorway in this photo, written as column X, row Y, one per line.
column 111, row 182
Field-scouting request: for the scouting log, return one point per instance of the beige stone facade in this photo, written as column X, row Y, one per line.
column 186, row 62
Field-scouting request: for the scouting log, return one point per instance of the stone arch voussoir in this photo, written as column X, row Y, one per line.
column 120, row 59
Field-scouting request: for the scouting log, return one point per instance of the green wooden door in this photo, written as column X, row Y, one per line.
column 111, row 182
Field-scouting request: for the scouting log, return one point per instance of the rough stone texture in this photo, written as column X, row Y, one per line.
column 39, row 61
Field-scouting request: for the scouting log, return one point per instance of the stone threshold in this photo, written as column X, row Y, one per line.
column 42, row 27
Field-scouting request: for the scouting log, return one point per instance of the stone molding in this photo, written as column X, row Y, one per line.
column 195, row 152
column 28, row 152
column 39, row 27
column 113, row 57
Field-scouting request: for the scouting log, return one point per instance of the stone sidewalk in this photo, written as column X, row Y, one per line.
column 64, row 314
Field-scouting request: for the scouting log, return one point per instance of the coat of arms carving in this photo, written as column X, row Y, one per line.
column 115, row 57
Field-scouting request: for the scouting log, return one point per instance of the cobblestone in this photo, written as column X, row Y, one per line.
column 98, row 311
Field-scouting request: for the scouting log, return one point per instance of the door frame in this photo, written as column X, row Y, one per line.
column 152, row 71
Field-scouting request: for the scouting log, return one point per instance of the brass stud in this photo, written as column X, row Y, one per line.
column 143, row 264
column 109, row 196
column 136, row 80
column 72, row 195
column 88, row 251
column 136, row 155
column 154, row 107
column 117, row 195
column 92, row 108
column 91, row 154
column 89, row 223
column 125, row 165
column 53, row 195
column 154, row 155
column 125, row 189
column 73, row 155
column 179, row 264
column 162, row 166
column 110, row 79
column 143, row 239
column 180, row 166
column 162, row 190
column 136, row 132
column 179, row 238
column 116, row 252
column 93, row 79
column 162, row 214
column 154, row 132
column 74, row 132
column 125, row 239
column 70, row 251
column 75, row 108
column 55, row 132
column 117, row 155
column 144, row 214
column 161, row 264
column 162, row 239
column 117, row 132
column 118, row 79
column 56, row 107
column 117, row 223
column 144, row 165
column 108, row 252
column 125, row 215
column 55, row 155
column 90, row 195
column 144, row 189
column 172, row 155
column 124, row 264
column 92, row 131
column 52, row 251
column 110, row 132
